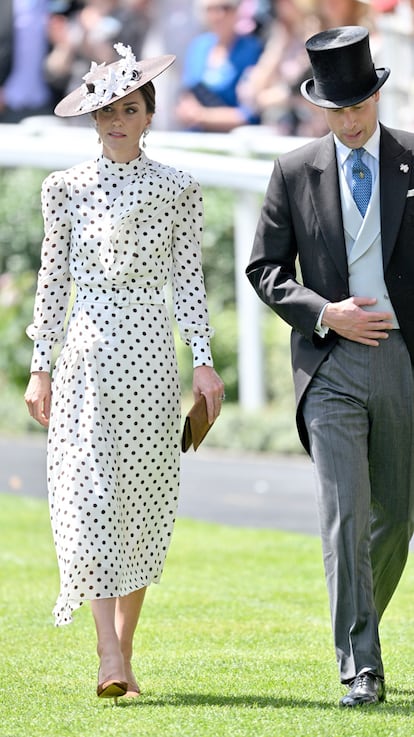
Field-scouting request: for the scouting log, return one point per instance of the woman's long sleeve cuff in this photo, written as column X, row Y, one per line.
column 42, row 356
column 200, row 346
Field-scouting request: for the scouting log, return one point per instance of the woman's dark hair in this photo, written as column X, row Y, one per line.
column 148, row 92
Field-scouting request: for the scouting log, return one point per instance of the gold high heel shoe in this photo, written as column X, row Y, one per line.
column 112, row 690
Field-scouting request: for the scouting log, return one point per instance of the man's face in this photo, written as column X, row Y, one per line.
column 354, row 125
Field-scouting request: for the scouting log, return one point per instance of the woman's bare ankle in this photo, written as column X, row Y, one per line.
column 111, row 665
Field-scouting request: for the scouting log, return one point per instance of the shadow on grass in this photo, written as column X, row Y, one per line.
column 252, row 701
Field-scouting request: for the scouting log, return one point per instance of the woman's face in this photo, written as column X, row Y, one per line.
column 120, row 126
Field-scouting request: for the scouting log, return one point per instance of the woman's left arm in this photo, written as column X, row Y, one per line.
column 189, row 294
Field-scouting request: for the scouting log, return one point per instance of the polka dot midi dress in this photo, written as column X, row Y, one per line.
column 116, row 234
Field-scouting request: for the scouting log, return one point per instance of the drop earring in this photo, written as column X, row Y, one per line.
column 144, row 135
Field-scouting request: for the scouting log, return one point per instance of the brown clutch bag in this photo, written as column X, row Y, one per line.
column 196, row 425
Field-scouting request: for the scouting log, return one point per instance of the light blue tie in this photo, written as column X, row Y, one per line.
column 361, row 181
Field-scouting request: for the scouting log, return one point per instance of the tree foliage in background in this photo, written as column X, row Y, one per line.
column 218, row 249
column 21, row 229
column 20, row 220
column 16, row 309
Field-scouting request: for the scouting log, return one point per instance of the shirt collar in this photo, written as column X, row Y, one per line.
column 371, row 146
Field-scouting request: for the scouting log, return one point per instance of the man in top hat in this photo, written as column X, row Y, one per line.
column 344, row 206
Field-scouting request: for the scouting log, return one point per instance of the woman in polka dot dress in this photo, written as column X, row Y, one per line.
column 119, row 229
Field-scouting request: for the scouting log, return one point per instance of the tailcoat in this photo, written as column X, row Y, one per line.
column 299, row 261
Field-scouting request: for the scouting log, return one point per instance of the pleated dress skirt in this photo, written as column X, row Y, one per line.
column 113, row 448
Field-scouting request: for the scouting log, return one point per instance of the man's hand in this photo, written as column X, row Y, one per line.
column 351, row 321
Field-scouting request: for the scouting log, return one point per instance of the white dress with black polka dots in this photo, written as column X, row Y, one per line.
column 119, row 233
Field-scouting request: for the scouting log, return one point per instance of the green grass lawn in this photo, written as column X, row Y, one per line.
column 235, row 641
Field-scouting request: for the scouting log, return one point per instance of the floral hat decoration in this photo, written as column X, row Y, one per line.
column 105, row 83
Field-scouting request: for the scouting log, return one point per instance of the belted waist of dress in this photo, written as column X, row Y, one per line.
column 120, row 296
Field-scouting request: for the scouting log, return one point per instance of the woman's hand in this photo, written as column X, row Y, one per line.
column 207, row 382
column 38, row 397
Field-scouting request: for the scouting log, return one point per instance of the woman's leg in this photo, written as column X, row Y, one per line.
column 127, row 611
column 108, row 647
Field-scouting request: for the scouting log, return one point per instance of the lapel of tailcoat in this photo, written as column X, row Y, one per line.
column 363, row 231
column 325, row 195
column 394, row 183
column 324, row 192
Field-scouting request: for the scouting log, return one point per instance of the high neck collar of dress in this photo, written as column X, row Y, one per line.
column 109, row 167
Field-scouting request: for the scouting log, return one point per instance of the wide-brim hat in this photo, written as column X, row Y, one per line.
column 343, row 70
column 106, row 83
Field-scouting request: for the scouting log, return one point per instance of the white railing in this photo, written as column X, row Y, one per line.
column 214, row 160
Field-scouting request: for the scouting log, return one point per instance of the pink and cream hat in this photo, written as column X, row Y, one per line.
column 105, row 83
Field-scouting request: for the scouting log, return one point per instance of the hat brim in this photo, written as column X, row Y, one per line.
column 308, row 92
column 75, row 103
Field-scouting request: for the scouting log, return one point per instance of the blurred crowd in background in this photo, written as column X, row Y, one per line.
column 239, row 62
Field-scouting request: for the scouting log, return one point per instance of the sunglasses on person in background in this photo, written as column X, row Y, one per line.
column 222, row 8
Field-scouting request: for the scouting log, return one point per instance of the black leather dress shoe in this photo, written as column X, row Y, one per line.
column 364, row 689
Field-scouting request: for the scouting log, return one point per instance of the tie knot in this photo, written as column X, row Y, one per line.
column 358, row 155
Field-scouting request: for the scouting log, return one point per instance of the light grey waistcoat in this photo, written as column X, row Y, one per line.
column 364, row 249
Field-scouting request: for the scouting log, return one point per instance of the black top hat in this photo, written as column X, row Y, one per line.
column 343, row 71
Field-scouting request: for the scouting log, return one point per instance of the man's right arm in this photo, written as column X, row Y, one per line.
column 272, row 269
